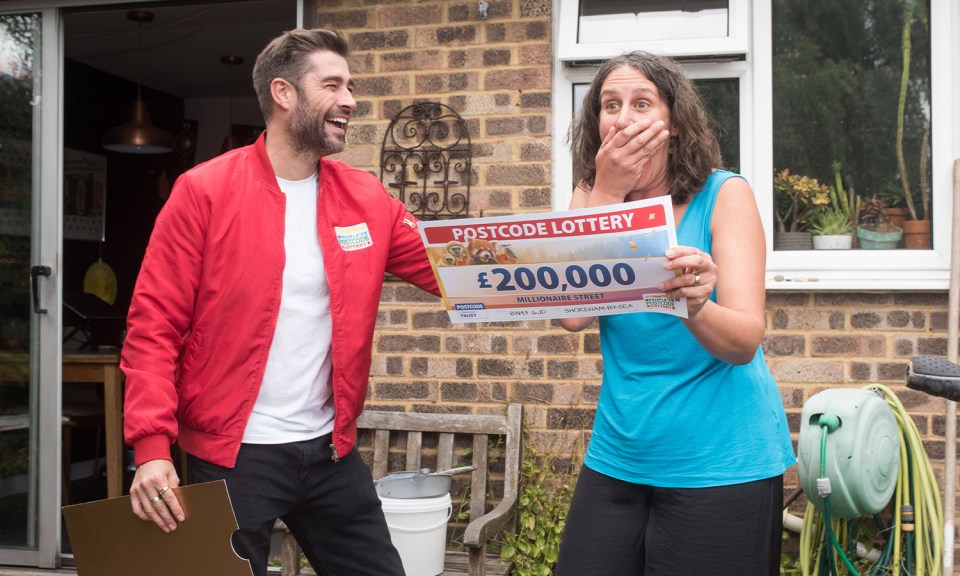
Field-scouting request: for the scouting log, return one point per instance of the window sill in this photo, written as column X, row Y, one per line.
column 858, row 270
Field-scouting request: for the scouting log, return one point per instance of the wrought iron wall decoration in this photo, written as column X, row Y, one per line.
column 426, row 157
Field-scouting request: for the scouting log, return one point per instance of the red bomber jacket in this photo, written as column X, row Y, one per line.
column 206, row 301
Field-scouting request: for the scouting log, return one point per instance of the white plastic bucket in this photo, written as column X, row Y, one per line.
column 418, row 529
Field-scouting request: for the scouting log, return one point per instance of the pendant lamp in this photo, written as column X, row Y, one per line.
column 230, row 141
column 138, row 135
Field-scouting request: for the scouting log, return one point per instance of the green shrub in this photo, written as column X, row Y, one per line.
column 546, row 487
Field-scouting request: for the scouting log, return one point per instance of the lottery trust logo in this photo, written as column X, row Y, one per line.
column 659, row 302
column 471, row 311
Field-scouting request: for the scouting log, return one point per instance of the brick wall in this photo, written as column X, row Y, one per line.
column 816, row 341
column 496, row 73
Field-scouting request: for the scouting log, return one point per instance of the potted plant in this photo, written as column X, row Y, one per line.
column 833, row 228
column 796, row 199
column 894, row 210
column 831, row 231
column 917, row 227
column 873, row 230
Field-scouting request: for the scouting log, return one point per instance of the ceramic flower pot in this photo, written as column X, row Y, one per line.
column 792, row 241
column 916, row 234
column 833, row 242
column 887, row 239
column 896, row 216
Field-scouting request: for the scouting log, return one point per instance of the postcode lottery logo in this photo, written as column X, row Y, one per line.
column 659, row 302
column 477, row 306
column 354, row 237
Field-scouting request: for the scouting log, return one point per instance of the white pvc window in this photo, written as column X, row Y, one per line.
column 747, row 55
column 638, row 20
column 597, row 29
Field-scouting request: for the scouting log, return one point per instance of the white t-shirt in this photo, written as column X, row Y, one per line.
column 296, row 398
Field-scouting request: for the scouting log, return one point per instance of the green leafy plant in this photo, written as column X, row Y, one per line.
column 830, row 223
column 546, row 486
column 912, row 10
column 796, row 199
column 789, row 562
column 841, row 214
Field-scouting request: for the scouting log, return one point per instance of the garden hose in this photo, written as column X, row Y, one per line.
column 917, row 489
column 912, row 545
column 828, row 559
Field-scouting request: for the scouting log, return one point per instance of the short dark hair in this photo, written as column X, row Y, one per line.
column 286, row 57
column 695, row 149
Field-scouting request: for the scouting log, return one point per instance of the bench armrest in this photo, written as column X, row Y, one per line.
column 481, row 530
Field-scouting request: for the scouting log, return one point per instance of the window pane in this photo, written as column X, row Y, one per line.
column 19, row 456
column 640, row 20
column 841, row 96
column 722, row 99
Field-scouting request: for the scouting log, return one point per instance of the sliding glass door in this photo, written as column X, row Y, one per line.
column 29, row 294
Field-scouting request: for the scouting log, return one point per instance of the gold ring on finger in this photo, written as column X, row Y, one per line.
column 155, row 499
column 696, row 279
column 162, row 490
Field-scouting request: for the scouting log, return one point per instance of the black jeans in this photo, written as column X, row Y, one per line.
column 623, row 529
column 330, row 507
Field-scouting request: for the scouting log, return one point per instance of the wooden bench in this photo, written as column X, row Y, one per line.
column 449, row 429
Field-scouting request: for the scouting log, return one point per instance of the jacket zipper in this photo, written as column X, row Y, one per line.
column 335, row 456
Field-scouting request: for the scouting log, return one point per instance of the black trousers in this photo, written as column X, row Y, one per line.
column 616, row 528
column 330, row 507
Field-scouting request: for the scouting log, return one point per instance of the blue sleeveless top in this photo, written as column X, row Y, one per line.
column 672, row 415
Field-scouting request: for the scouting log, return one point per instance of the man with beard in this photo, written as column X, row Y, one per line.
column 250, row 330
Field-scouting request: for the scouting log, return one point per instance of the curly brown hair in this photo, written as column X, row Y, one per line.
column 695, row 151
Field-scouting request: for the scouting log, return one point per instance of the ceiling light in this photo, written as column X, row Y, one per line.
column 230, row 141
column 138, row 135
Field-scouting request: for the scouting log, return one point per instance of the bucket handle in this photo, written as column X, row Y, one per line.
column 428, row 529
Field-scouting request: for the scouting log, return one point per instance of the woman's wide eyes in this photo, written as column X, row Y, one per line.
column 614, row 106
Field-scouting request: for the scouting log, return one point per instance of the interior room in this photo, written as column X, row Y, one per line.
column 149, row 91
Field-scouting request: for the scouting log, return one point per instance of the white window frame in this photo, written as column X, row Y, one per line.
column 568, row 50
column 858, row 270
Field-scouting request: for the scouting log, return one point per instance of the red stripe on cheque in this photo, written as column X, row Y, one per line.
column 614, row 222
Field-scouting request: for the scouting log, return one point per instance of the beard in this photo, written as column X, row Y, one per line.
column 308, row 133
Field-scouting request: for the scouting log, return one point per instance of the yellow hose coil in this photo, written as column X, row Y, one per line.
column 924, row 496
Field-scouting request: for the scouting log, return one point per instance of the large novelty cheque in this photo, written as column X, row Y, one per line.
column 588, row 262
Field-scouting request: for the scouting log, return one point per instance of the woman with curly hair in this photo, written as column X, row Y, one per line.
column 684, row 471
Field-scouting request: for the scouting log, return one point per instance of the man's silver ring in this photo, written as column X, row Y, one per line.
column 162, row 490
column 696, row 279
column 155, row 499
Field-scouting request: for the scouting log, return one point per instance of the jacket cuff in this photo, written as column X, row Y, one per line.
column 148, row 448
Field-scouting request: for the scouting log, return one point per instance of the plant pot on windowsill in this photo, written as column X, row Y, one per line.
column 884, row 237
column 833, row 229
column 833, row 242
column 916, row 234
column 792, row 241
column 895, row 215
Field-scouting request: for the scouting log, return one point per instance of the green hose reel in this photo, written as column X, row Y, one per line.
column 862, row 453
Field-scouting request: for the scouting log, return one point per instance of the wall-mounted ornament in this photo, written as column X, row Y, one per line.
column 426, row 157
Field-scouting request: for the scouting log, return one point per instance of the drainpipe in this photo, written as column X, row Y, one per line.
column 950, row 430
